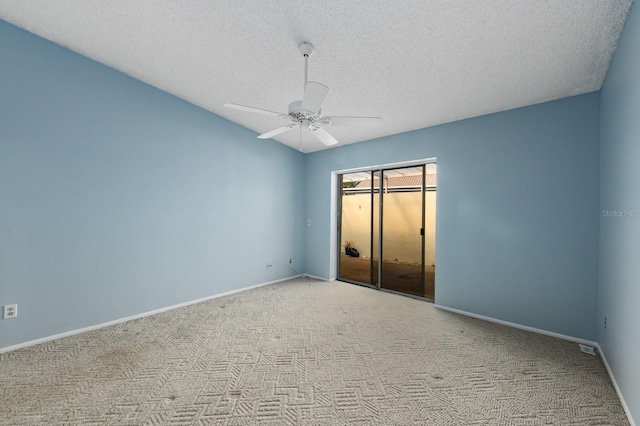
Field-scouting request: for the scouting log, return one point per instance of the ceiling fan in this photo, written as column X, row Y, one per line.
column 307, row 113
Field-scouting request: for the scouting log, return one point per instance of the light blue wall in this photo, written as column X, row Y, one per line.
column 517, row 211
column 117, row 198
column 620, row 236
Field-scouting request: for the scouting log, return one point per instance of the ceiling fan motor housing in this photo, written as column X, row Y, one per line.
column 297, row 115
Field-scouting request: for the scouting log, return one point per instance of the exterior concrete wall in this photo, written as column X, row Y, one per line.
column 402, row 216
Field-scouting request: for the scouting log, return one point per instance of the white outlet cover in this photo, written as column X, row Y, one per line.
column 588, row 349
column 10, row 311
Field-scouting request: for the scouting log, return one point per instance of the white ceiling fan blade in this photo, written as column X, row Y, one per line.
column 277, row 131
column 256, row 110
column 314, row 94
column 352, row 121
column 323, row 136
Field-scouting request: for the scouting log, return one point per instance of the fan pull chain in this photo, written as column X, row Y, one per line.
column 300, row 127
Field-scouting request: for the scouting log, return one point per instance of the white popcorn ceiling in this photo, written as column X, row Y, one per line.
column 416, row 63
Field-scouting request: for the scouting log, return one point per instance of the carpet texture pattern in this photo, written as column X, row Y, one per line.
column 305, row 352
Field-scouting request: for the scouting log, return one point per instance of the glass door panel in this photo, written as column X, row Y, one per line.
column 402, row 227
column 356, row 195
column 375, row 228
column 430, row 230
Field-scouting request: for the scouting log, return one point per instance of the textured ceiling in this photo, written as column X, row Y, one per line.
column 416, row 63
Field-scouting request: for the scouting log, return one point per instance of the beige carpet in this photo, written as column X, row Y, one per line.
column 305, row 352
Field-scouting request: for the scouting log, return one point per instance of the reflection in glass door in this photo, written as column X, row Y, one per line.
column 387, row 229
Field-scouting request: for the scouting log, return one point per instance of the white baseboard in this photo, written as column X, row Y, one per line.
column 615, row 386
column 316, row 277
column 552, row 334
column 519, row 326
column 137, row 316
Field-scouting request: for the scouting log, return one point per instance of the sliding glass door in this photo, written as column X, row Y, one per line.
column 387, row 229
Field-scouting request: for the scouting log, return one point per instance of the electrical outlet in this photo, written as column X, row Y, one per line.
column 269, row 265
column 10, row 311
column 605, row 322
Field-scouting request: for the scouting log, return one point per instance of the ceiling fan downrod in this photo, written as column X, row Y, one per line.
column 307, row 50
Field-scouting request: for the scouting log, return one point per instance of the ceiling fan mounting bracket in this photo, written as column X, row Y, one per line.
column 306, row 49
